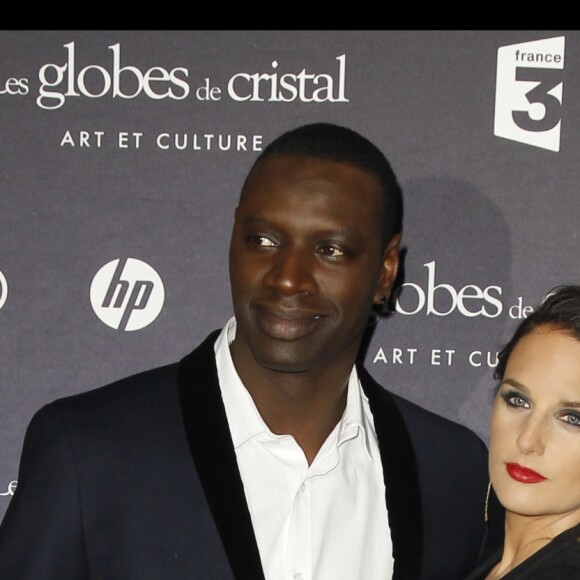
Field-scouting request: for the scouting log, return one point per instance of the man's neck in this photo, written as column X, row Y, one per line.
column 307, row 405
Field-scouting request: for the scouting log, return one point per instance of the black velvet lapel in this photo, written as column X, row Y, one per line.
column 214, row 457
column 213, row 453
column 401, row 480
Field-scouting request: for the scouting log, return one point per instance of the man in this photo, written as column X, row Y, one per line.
column 267, row 452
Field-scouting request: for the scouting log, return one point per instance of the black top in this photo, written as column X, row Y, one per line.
column 558, row 560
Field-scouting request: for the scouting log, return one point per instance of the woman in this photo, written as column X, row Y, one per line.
column 534, row 452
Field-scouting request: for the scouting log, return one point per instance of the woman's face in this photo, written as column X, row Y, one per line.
column 534, row 455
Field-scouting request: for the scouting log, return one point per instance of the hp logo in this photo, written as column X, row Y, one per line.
column 3, row 289
column 127, row 294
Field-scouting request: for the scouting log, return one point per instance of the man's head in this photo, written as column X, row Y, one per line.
column 307, row 256
column 341, row 144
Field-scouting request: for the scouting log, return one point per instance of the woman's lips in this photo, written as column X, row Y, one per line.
column 523, row 474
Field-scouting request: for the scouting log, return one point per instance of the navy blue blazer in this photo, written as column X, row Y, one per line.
column 138, row 480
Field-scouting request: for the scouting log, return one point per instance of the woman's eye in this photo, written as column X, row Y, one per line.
column 515, row 400
column 571, row 418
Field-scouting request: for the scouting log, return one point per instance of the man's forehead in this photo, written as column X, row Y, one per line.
column 312, row 194
column 291, row 167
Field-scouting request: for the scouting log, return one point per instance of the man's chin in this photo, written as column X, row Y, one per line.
column 283, row 362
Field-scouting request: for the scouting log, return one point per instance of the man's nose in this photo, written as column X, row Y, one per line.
column 292, row 272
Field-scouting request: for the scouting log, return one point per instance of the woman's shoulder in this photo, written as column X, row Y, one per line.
column 558, row 560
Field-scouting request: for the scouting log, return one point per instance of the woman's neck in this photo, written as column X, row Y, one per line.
column 525, row 535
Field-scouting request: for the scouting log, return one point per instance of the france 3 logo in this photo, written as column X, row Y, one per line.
column 127, row 294
column 528, row 94
column 3, row 289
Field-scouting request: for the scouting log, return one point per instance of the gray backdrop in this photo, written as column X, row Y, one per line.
column 123, row 153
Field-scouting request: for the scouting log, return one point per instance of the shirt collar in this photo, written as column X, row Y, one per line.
column 246, row 422
column 243, row 417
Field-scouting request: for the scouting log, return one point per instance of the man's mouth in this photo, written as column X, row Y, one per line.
column 287, row 324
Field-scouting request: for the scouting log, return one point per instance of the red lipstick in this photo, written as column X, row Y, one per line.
column 523, row 474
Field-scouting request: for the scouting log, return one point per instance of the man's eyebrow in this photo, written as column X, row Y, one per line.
column 255, row 219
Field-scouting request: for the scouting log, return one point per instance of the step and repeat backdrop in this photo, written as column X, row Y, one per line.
column 123, row 154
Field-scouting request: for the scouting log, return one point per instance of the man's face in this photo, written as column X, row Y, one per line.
column 307, row 263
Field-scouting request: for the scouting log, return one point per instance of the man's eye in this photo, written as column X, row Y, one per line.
column 331, row 251
column 263, row 241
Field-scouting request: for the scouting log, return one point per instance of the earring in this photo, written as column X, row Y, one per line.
column 386, row 308
column 376, row 312
column 485, row 513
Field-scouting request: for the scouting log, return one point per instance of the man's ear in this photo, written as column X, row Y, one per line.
column 390, row 267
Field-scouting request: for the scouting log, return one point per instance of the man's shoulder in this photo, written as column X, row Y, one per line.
column 429, row 422
column 141, row 385
column 423, row 424
column 141, row 388
column 115, row 408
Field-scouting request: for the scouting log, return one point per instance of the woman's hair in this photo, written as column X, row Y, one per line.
column 559, row 310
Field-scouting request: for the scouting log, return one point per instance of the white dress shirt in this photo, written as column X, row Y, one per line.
column 326, row 521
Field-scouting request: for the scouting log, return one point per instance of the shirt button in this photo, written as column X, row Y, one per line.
column 302, row 490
